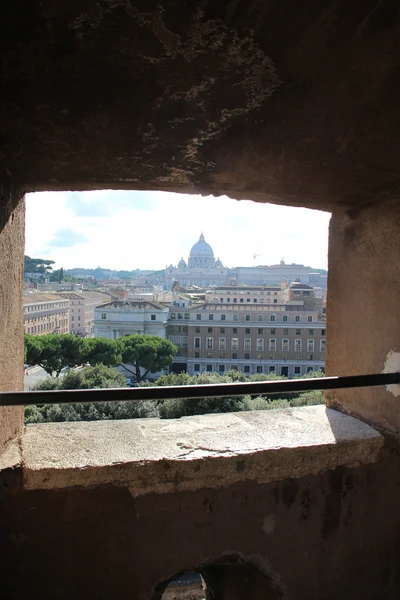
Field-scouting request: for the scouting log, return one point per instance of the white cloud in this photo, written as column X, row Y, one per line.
column 148, row 230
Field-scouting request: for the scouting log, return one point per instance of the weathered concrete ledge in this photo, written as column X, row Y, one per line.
column 151, row 455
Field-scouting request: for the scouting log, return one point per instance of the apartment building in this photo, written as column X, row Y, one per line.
column 285, row 339
column 45, row 313
column 81, row 310
column 249, row 329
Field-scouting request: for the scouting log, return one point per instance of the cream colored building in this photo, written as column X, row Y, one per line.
column 241, row 294
column 45, row 313
column 81, row 310
column 116, row 319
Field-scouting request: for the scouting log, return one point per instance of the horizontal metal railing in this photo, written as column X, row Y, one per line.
column 250, row 388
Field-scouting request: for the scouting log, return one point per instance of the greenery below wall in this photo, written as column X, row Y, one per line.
column 101, row 376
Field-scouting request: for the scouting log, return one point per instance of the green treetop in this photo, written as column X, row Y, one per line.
column 150, row 353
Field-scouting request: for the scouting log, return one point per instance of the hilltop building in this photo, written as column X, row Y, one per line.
column 267, row 274
column 201, row 270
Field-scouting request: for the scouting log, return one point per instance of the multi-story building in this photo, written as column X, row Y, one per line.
column 265, row 275
column 240, row 294
column 116, row 319
column 45, row 313
column 81, row 310
column 284, row 339
column 252, row 332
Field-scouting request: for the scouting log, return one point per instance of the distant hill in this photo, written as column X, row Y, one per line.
column 100, row 273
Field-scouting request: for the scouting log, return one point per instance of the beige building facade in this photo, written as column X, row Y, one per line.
column 287, row 340
column 241, row 294
column 81, row 311
column 119, row 318
column 45, row 313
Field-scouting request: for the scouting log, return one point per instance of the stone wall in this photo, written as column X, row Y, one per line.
column 316, row 538
column 363, row 324
column 12, row 218
column 260, row 100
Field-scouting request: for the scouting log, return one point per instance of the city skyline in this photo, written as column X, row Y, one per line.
column 126, row 230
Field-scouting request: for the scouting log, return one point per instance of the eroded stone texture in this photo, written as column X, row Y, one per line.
column 12, row 217
column 363, row 326
column 152, row 455
column 334, row 536
column 262, row 100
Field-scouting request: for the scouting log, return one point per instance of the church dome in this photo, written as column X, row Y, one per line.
column 201, row 249
column 218, row 263
column 201, row 254
column 181, row 264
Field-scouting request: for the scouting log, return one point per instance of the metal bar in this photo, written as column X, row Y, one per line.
column 252, row 388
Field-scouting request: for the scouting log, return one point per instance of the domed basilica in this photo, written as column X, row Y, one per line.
column 201, row 269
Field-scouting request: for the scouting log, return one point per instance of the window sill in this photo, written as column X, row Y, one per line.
column 213, row 451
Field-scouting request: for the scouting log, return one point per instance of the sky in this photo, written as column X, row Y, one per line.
column 126, row 230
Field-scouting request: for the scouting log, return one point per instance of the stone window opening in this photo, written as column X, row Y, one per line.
column 229, row 578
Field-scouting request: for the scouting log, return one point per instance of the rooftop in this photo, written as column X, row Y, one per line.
column 40, row 297
column 71, row 295
column 300, row 286
column 134, row 304
column 248, row 288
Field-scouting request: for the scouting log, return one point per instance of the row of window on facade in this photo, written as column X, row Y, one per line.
column 179, row 340
column 43, row 327
column 260, row 356
column 268, row 301
column 247, row 369
column 42, row 318
column 39, row 307
column 260, row 317
column 152, row 317
column 272, row 345
column 260, row 331
column 248, row 292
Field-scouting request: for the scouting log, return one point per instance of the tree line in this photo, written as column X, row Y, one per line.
column 139, row 354
column 102, row 376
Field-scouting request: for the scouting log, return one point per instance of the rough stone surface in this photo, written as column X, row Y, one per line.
column 12, row 219
column 266, row 100
column 149, row 455
column 363, row 326
column 329, row 536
